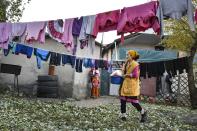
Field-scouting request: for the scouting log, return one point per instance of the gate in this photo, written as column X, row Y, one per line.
column 105, row 82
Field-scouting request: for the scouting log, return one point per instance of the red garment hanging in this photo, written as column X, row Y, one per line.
column 106, row 21
column 138, row 18
column 53, row 31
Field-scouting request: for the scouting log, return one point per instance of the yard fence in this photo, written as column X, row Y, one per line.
column 179, row 94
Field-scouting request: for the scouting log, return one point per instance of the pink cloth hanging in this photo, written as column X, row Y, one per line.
column 55, row 30
column 67, row 37
column 139, row 18
column 85, row 36
column 18, row 29
column 35, row 32
column 5, row 32
column 106, row 21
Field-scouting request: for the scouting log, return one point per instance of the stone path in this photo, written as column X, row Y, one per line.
column 90, row 102
column 104, row 100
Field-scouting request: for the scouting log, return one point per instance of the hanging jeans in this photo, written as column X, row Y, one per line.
column 68, row 59
column 55, row 59
column 78, row 66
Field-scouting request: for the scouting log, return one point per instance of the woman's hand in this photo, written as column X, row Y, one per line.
column 126, row 76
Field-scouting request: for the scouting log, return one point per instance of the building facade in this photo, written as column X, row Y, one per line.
column 71, row 83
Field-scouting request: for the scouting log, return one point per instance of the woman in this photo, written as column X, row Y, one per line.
column 130, row 89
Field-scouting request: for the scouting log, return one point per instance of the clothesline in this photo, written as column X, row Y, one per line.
column 150, row 17
column 56, row 59
column 154, row 69
column 123, row 60
column 158, row 67
column 77, row 56
column 147, row 61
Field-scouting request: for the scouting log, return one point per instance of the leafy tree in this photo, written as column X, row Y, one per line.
column 181, row 37
column 12, row 10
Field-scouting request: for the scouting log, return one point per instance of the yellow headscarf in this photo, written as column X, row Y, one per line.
column 133, row 53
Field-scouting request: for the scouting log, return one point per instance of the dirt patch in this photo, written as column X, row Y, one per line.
column 104, row 100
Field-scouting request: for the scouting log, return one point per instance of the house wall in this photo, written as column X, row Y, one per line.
column 30, row 72
column 136, row 41
column 127, row 45
column 113, row 90
column 67, row 77
column 138, row 46
column 81, row 88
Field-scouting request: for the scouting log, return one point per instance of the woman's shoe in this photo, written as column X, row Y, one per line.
column 144, row 117
column 123, row 118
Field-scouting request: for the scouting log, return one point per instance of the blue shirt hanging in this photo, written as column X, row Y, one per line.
column 68, row 59
column 23, row 49
column 41, row 55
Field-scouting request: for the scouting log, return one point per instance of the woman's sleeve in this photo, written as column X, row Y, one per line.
column 135, row 72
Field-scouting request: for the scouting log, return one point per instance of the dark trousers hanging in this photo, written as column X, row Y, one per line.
column 151, row 69
column 78, row 66
column 55, row 59
column 143, row 69
column 170, row 68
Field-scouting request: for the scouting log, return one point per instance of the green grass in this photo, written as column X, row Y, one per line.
column 22, row 114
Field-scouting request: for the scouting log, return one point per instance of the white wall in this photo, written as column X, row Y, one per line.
column 80, row 85
column 131, row 46
column 30, row 71
column 72, row 84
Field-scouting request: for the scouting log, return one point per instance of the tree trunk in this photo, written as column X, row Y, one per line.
column 191, row 82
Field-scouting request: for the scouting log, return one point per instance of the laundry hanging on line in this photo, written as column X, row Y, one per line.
column 55, row 29
column 23, row 49
column 67, row 59
column 18, row 30
column 76, row 28
column 56, row 59
column 175, row 9
column 127, row 20
column 138, row 18
column 35, row 31
column 5, row 32
column 157, row 69
column 150, row 69
column 11, row 47
column 106, row 21
column 67, row 37
column 41, row 55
